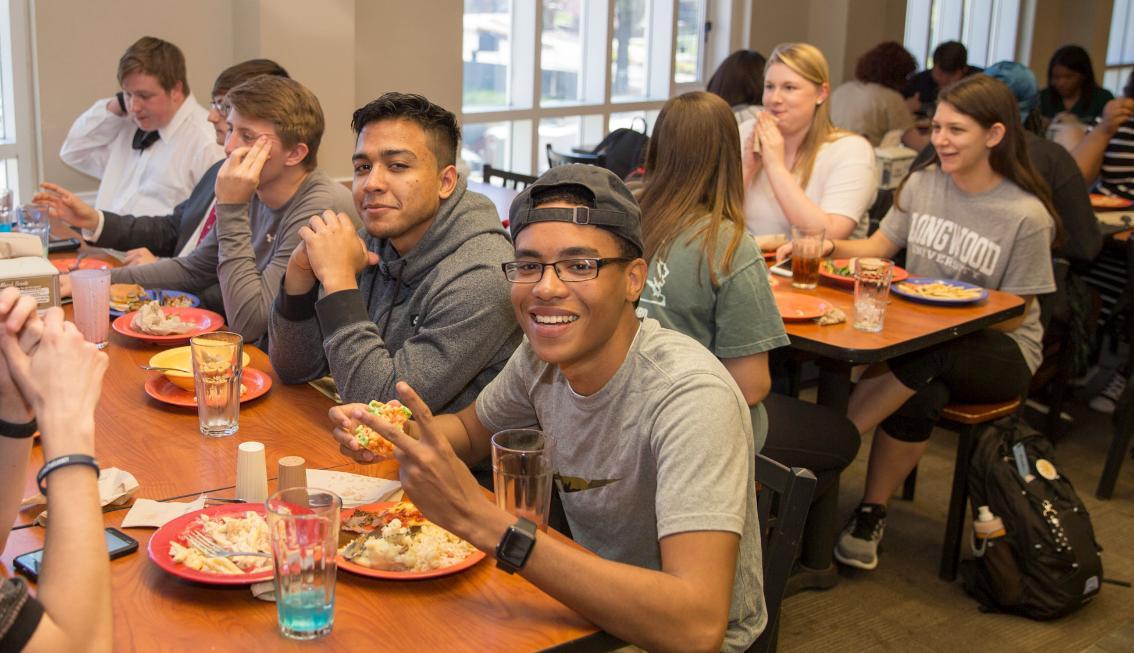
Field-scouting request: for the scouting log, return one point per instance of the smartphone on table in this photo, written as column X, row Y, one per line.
column 118, row 544
column 783, row 268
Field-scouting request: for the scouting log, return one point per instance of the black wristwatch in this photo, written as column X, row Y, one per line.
column 516, row 545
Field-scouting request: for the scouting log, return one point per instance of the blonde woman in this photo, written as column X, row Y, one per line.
column 806, row 172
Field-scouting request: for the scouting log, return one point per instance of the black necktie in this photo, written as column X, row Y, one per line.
column 144, row 139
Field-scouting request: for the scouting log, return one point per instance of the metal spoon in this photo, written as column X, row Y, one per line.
column 154, row 368
column 78, row 261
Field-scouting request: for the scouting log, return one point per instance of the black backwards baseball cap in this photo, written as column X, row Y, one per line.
column 615, row 208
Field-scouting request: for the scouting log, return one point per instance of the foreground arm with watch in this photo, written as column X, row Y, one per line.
column 49, row 371
column 684, row 606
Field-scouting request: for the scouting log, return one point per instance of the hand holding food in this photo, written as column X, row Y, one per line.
column 394, row 413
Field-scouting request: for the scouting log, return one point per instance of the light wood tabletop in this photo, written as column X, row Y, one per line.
column 908, row 326
column 481, row 608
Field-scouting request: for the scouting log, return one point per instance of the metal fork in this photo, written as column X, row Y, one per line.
column 211, row 548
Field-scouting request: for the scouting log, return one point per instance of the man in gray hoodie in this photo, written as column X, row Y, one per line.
column 418, row 296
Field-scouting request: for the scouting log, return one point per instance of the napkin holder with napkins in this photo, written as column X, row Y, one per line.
column 22, row 265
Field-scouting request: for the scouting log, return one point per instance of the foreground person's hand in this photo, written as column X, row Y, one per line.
column 62, row 380
column 19, row 334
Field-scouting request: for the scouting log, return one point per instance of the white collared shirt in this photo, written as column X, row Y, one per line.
column 142, row 182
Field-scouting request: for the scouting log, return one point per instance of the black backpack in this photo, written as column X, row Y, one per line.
column 625, row 149
column 1048, row 564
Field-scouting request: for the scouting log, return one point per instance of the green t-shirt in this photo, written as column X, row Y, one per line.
column 1089, row 107
column 737, row 319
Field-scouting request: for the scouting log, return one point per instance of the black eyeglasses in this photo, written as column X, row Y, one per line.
column 568, row 270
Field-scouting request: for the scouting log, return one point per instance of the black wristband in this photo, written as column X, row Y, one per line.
column 17, row 431
column 64, row 461
column 121, row 101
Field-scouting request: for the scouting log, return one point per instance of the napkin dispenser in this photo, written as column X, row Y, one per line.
column 893, row 164
column 35, row 276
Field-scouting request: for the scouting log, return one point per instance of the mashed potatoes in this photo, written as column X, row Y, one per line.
column 401, row 548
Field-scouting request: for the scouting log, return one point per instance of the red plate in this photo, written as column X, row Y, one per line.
column 65, row 264
column 205, row 321
column 162, row 389
column 797, row 307
column 158, row 548
column 474, row 557
column 1109, row 202
column 899, row 274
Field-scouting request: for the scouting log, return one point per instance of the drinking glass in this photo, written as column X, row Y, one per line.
column 522, row 469
column 806, row 250
column 871, row 292
column 303, row 525
column 217, row 370
column 32, row 219
column 90, row 292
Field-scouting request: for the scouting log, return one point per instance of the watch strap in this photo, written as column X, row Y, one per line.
column 516, row 546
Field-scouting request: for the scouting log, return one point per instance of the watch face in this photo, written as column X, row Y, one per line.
column 515, row 547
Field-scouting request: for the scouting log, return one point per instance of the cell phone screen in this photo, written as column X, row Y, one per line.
column 117, row 544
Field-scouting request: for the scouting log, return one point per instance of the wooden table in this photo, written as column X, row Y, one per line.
column 481, row 608
column 908, row 327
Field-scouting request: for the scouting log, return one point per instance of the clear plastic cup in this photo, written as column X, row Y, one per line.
column 90, row 292
column 806, row 251
column 522, row 471
column 217, row 359
column 303, row 525
column 871, row 292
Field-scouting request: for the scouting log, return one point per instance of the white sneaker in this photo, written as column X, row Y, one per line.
column 1107, row 400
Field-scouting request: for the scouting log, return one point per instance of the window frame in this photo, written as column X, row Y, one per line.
column 594, row 109
column 18, row 96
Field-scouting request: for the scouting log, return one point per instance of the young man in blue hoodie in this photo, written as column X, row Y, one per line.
column 417, row 296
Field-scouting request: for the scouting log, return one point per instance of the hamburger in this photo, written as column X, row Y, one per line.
column 126, row 297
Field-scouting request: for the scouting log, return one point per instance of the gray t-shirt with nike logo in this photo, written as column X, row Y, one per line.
column 665, row 447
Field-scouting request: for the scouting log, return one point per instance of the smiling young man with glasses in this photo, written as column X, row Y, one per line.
column 149, row 144
column 146, row 238
column 654, row 455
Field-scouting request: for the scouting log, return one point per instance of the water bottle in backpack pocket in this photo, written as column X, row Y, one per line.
column 990, row 543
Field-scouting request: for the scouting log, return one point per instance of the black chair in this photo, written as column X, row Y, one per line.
column 560, row 158
column 513, row 180
column 1120, row 444
column 783, row 497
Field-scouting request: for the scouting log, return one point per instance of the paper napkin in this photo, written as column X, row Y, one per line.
column 149, row 513
column 355, row 489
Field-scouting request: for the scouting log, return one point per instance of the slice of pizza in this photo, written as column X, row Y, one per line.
column 393, row 412
column 404, row 511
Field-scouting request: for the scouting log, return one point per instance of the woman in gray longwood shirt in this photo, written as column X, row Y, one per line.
column 978, row 212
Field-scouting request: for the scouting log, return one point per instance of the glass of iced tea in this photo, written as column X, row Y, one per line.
column 806, row 251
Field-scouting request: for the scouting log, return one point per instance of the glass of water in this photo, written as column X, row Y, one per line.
column 871, row 292
column 522, row 470
column 303, row 525
column 33, row 219
column 217, row 359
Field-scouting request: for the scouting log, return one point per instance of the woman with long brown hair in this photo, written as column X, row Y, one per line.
column 799, row 169
column 708, row 280
column 976, row 212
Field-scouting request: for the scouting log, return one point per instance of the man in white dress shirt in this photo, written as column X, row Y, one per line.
column 151, row 143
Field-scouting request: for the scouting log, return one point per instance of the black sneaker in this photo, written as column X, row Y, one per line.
column 805, row 578
column 858, row 543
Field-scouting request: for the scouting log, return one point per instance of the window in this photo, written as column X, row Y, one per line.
column 17, row 153
column 566, row 72
column 1120, row 47
column 988, row 28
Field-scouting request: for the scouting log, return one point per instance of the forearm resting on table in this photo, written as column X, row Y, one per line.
column 801, row 211
column 684, row 607
column 75, row 584
column 877, row 245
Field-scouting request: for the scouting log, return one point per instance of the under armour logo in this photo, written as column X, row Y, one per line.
column 270, row 237
column 413, row 320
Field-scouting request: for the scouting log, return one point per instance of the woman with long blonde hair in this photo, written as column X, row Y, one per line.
column 708, row 280
column 799, row 169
